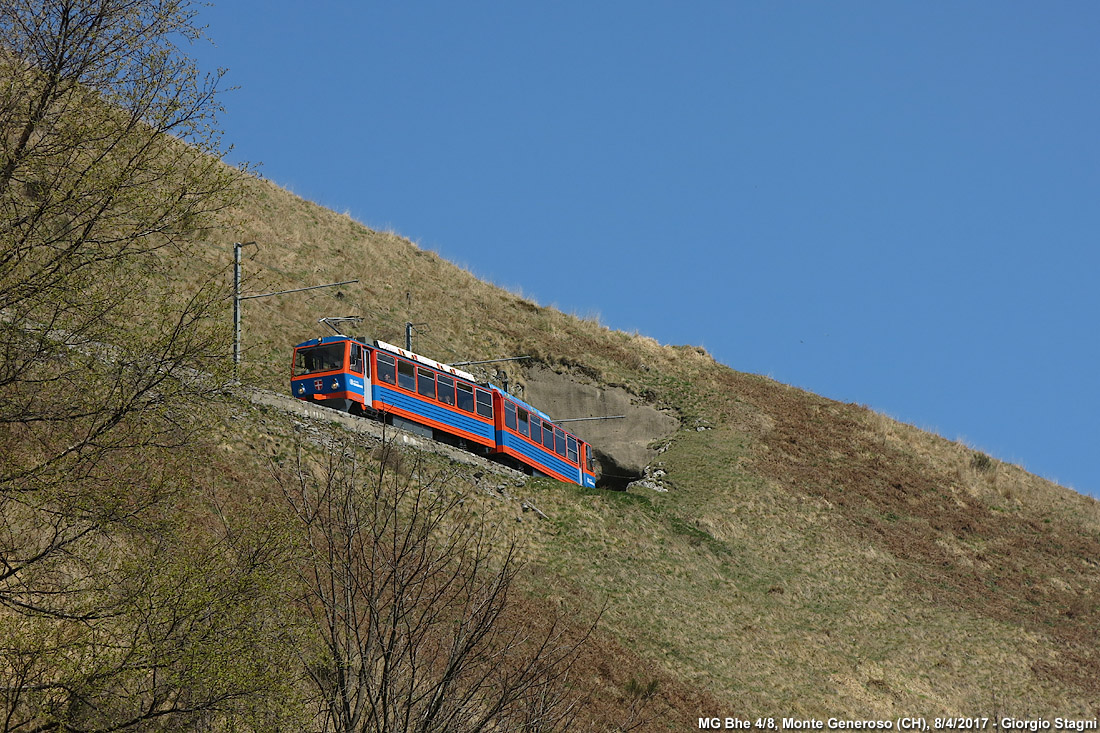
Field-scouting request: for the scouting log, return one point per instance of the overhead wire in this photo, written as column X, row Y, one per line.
column 375, row 313
column 388, row 323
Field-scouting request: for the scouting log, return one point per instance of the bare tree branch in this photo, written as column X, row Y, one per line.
column 407, row 592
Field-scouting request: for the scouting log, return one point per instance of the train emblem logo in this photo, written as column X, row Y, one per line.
column 318, row 384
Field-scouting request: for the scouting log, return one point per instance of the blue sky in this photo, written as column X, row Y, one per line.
column 889, row 203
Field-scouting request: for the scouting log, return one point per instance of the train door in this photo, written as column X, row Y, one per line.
column 498, row 420
column 588, row 465
column 359, row 374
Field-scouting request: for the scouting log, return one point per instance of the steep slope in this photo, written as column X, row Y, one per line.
column 807, row 557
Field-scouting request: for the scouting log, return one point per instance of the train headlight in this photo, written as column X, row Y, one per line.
column 336, row 384
column 301, row 389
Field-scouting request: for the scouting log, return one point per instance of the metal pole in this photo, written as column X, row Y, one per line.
column 237, row 298
column 236, row 311
column 408, row 336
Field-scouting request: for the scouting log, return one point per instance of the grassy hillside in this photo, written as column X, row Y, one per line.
column 808, row 558
column 178, row 553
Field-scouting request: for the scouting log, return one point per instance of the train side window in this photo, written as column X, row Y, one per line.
column 446, row 387
column 524, row 428
column 536, row 429
column 387, row 369
column 484, row 403
column 510, row 415
column 548, row 436
column 425, row 383
column 465, row 397
column 571, row 448
column 356, row 362
column 559, row 442
column 589, row 461
column 406, row 375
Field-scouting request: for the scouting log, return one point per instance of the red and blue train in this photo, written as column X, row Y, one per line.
column 438, row 401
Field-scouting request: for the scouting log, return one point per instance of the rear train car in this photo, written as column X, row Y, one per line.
column 438, row 401
column 529, row 437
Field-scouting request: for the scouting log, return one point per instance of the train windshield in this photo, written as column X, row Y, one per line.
column 325, row 358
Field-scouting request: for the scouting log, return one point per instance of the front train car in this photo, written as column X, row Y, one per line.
column 333, row 371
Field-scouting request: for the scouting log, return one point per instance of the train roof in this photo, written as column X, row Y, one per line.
column 425, row 360
column 524, row 405
column 323, row 340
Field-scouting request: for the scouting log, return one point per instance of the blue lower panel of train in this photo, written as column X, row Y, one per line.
column 432, row 414
column 546, row 461
column 345, row 385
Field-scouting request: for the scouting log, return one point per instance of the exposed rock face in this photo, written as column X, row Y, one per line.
column 621, row 445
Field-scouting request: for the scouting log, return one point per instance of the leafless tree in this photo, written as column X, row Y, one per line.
column 108, row 157
column 411, row 600
column 110, row 618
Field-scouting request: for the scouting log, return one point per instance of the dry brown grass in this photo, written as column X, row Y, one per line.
column 811, row 558
column 605, row 678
